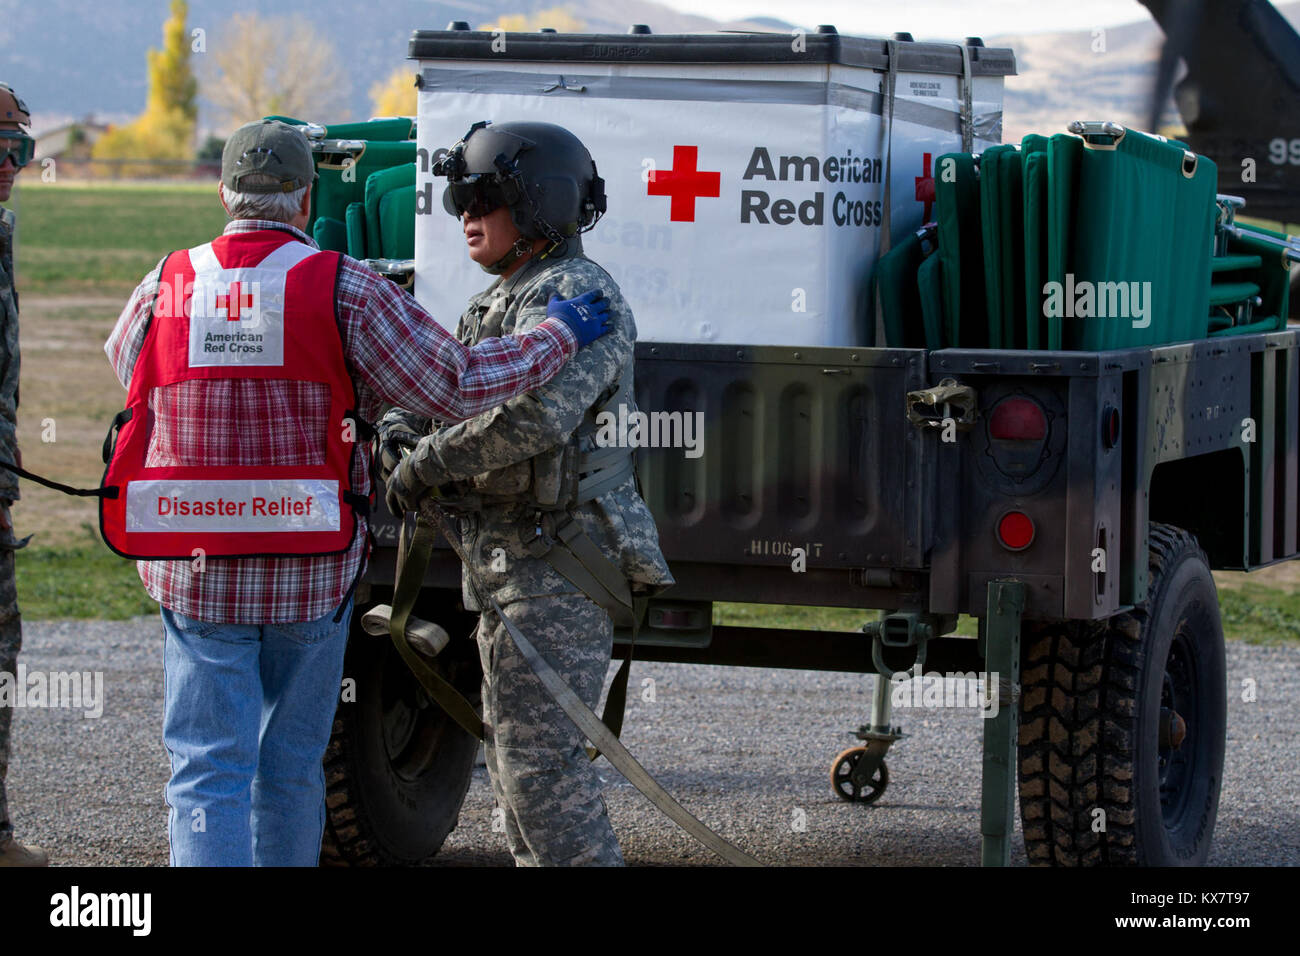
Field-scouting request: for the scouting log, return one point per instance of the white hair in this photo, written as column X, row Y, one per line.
column 277, row 207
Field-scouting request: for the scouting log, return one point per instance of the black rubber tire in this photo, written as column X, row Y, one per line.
column 1090, row 724
column 848, row 760
column 393, row 801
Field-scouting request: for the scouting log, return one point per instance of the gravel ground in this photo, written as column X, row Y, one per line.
column 747, row 750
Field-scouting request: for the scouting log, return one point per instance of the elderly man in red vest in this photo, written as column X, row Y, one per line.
column 251, row 363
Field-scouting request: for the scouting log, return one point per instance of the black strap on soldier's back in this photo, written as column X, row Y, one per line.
column 110, row 440
column 110, row 492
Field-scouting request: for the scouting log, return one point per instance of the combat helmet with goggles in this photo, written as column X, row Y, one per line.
column 540, row 171
column 15, row 141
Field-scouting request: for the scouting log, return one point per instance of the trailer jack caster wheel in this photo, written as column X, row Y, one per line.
column 858, row 786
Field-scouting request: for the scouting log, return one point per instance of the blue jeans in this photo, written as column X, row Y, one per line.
column 247, row 715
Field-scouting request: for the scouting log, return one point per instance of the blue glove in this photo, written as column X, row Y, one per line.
column 587, row 315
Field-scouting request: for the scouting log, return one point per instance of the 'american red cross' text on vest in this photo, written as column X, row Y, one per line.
column 256, row 305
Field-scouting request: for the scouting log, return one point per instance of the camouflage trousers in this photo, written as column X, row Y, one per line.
column 545, row 785
column 11, row 639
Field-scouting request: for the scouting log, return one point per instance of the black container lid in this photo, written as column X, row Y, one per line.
column 868, row 52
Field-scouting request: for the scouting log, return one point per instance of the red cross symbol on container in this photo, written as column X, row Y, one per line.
column 684, row 183
column 234, row 303
column 925, row 188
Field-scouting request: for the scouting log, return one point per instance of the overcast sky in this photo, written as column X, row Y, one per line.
column 929, row 19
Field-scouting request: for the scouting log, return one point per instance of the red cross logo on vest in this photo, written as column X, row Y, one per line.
column 684, row 183
column 234, row 303
column 925, row 188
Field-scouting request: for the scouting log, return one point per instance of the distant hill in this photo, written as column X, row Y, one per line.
column 70, row 59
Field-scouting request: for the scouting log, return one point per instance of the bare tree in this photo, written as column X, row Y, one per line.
column 282, row 66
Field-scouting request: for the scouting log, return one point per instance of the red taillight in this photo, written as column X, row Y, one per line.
column 1110, row 426
column 1018, row 419
column 1015, row 530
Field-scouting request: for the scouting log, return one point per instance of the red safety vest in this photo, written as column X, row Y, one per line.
column 248, row 305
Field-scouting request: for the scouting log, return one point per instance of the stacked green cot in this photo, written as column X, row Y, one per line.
column 364, row 200
column 1104, row 238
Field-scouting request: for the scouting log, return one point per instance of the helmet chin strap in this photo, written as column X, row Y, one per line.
column 521, row 248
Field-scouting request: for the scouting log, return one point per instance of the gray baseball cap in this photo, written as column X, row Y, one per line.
column 271, row 148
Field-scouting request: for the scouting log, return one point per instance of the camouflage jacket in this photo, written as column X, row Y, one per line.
column 8, row 357
column 520, row 444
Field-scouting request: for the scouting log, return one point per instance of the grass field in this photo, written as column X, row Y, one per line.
column 99, row 241
column 80, row 252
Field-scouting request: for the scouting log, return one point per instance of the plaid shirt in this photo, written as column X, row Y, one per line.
column 397, row 354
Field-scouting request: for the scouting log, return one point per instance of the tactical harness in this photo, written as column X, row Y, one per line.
column 556, row 536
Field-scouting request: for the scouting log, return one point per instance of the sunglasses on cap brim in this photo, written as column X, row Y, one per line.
column 19, row 149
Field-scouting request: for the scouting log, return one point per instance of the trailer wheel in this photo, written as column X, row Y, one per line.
column 1123, row 723
column 847, row 788
column 397, row 767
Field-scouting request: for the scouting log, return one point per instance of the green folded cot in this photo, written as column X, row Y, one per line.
column 900, row 295
column 1096, row 240
column 330, row 234
column 957, row 208
column 389, row 129
column 1063, row 155
column 397, row 223
column 1033, row 158
column 355, row 219
column 343, row 169
column 1142, row 240
column 930, row 290
column 1253, row 268
column 1002, row 226
column 378, row 186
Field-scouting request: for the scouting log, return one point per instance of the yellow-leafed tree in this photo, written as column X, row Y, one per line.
column 556, row 18
column 172, row 85
column 165, row 130
column 395, row 96
column 275, row 66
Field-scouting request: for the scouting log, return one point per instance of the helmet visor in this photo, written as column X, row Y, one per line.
column 16, row 146
column 475, row 195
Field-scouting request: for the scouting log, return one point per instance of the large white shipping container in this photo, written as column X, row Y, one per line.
column 744, row 172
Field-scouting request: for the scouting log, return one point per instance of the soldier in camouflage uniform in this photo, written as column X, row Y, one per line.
column 512, row 475
column 16, row 149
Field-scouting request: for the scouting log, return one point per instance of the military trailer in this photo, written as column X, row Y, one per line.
column 1068, row 474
